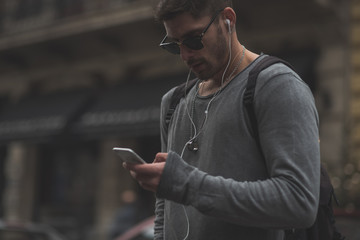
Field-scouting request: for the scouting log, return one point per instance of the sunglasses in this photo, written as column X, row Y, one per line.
column 194, row 43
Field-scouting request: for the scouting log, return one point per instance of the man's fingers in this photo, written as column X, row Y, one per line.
column 160, row 157
column 148, row 175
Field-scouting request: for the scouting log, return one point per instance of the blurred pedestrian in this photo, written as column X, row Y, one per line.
column 138, row 205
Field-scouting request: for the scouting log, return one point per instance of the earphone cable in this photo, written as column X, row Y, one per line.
column 211, row 100
column 196, row 134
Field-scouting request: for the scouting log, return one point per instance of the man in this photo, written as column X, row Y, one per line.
column 212, row 181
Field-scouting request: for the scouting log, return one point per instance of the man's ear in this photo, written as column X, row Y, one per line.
column 229, row 16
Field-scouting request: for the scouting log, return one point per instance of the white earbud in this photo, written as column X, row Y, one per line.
column 228, row 23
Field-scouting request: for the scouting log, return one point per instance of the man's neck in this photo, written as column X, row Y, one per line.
column 240, row 59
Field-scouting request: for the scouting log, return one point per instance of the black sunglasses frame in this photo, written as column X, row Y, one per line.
column 194, row 43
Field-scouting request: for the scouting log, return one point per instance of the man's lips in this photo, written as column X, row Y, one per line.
column 196, row 65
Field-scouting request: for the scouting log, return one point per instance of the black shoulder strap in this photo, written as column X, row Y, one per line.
column 180, row 90
column 178, row 93
column 264, row 63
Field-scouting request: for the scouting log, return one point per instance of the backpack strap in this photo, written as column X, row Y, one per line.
column 178, row 93
column 267, row 61
column 249, row 93
column 248, row 99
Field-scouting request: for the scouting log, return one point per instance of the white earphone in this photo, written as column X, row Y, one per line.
column 228, row 23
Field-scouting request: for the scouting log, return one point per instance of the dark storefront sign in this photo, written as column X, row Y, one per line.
column 143, row 120
column 41, row 116
column 120, row 111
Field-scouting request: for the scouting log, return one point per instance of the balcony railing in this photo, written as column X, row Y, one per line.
column 24, row 15
column 25, row 21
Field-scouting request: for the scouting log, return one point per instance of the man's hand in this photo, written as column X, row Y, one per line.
column 148, row 175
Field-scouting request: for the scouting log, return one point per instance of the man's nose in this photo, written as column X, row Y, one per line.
column 186, row 53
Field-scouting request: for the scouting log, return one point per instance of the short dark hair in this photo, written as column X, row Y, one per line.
column 167, row 9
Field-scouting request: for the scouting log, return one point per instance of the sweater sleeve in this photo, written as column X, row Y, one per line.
column 288, row 198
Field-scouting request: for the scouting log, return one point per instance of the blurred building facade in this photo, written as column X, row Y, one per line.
column 80, row 77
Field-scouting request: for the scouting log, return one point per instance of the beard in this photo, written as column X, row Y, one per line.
column 215, row 62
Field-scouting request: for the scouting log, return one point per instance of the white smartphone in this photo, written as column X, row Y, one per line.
column 128, row 155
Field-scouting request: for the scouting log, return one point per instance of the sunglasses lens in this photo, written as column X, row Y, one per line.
column 171, row 47
column 193, row 43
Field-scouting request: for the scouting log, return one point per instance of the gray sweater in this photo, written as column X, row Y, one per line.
column 227, row 189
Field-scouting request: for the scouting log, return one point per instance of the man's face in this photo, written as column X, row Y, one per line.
column 208, row 61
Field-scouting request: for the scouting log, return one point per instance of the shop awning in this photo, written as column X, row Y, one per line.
column 125, row 110
column 41, row 116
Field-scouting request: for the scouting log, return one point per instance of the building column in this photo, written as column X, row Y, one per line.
column 352, row 169
column 331, row 99
column 355, row 81
column 20, row 181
